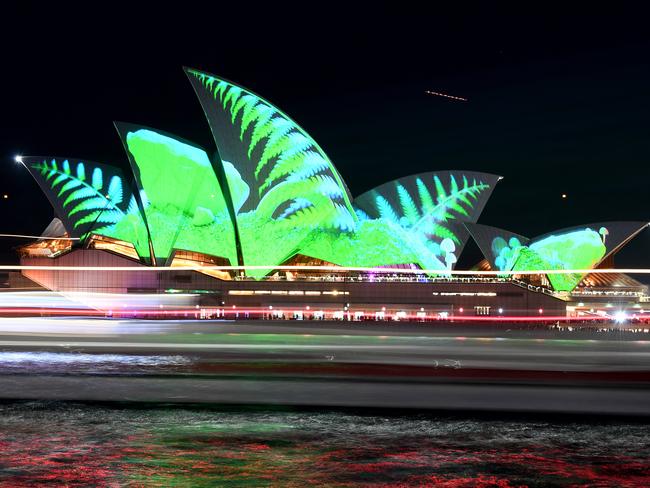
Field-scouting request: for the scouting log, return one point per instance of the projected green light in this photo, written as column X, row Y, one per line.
column 294, row 188
column 183, row 202
column 407, row 221
column 92, row 199
column 578, row 249
column 285, row 194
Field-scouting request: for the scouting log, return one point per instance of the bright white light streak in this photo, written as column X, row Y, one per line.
column 46, row 299
column 97, row 327
column 333, row 269
column 130, row 301
column 438, row 94
column 99, row 301
column 22, row 236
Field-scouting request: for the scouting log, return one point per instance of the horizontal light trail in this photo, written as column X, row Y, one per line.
column 328, row 314
column 438, row 94
column 22, row 236
column 332, row 269
column 191, row 345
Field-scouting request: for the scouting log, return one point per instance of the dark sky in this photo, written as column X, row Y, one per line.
column 559, row 101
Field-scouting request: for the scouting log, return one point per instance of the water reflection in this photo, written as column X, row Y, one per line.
column 89, row 445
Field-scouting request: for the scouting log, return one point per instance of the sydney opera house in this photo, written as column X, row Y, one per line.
column 267, row 222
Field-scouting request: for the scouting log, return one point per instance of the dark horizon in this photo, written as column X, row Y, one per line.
column 555, row 106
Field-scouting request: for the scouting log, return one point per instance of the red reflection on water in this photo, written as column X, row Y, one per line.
column 182, row 455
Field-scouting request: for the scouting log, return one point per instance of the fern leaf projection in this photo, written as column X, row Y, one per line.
column 428, row 207
column 277, row 158
column 90, row 198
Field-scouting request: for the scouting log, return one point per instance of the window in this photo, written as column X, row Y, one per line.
column 481, row 310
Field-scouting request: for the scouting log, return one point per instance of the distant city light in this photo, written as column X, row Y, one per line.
column 500, row 310
column 18, row 159
column 563, row 195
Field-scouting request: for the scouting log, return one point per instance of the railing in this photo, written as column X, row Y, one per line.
column 400, row 278
column 608, row 293
column 410, row 278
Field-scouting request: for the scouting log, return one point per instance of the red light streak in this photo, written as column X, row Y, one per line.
column 327, row 314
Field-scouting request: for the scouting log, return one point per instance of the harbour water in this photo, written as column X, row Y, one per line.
column 144, row 445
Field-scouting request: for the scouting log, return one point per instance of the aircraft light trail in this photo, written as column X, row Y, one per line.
column 444, row 95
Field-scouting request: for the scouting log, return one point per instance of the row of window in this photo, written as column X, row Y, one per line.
column 288, row 292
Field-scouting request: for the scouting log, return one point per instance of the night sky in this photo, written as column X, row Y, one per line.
column 558, row 101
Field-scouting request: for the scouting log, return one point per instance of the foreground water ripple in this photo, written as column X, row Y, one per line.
column 63, row 444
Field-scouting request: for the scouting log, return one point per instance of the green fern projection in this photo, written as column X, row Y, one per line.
column 427, row 217
column 287, row 198
column 279, row 153
column 407, row 221
column 295, row 188
column 90, row 202
column 286, row 195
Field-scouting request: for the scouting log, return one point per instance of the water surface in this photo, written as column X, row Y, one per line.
column 64, row 444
